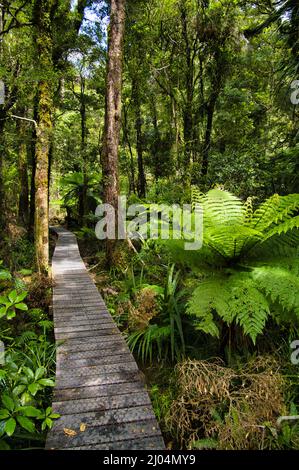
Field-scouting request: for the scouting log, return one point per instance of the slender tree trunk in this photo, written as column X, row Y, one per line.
column 23, row 212
column 113, row 111
column 33, row 171
column 188, row 108
column 131, row 167
column 139, row 139
column 208, row 135
column 83, row 192
column 2, row 149
column 44, row 45
column 156, row 149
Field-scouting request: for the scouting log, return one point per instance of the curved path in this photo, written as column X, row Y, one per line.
column 99, row 391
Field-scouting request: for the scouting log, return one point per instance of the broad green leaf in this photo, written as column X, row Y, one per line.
column 11, row 314
column 8, row 402
column 29, row 372
column 39, row 373
column 13, row 296
column 30, row 411
column 34, row 388
column 21, row 296
column 26, row 423
column 10, row 426
column 47, row 382
column 21, row 306
column 18, row 389
column 2, row 312
column 4, row 413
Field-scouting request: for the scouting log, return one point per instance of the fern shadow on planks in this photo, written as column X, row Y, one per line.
column 247, row 270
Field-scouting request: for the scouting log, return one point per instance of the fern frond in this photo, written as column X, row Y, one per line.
column 231, row 240
column 196, row 196
column 221, row 208
column 279, row 285
column 235, row 299
column 284, row 227
column 249, row 307
column 275, row 210
column 210, row 296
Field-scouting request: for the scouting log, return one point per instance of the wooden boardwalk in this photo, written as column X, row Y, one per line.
column 99, row 391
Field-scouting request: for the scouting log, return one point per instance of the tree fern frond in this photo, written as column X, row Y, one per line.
column 221, row 208
column 231, row 240
column 284, row 227
column 276, row 209
column 249, row 307
column 209, row 296
column 196, row 196
column 279, row 285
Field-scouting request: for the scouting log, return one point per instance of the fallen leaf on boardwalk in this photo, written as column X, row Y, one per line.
column 82, row 427
column 69, row 432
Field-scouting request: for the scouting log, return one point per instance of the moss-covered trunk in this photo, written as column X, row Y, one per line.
column 44, row 47
column 2, row 146
column 113, row 111
column 23, row 212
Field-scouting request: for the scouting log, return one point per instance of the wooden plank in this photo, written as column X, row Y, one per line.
column 96, row 353
column 103, row 379
column 78, row 329
column 95, row 371
column 74, row 343
column 111, row 358
column 96, row 435
column 146, row 443
column 98, row 391
column 87, row 334
column 85, row 405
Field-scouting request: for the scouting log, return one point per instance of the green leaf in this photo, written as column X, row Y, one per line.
column 10, row 426
column 2, row 312
column 47, row 382
column 34, row 388
column 4, row 413
column 47, row 423
column 8, row 402
column 25, row 272
column 29, row 372
column 21, row 306
column 26, row 423
column 30, row 411
column 18, row 389
column 5, row 276
column 11, row 314
column 21, row 296
column 39, row 373
column 13, row 296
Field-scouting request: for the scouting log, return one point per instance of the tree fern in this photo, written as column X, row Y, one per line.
column 249, row 262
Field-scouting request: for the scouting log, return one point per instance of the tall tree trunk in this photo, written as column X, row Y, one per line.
column 2, row 149
column 33, row 170
column 131, row 166
column 189, row 87
column 44, row 45
column 23, row 211
column 83, row 192
column 208, row 135
column 113, row 111
column 139, row 140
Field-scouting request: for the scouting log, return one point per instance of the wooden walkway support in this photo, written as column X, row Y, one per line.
column 99, row 390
